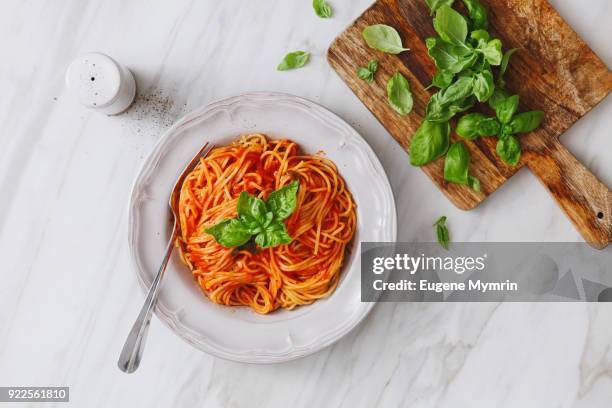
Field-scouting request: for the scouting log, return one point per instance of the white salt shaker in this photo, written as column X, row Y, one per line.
column 100, row 83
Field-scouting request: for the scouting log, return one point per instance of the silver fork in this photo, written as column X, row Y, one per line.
column 134, row 344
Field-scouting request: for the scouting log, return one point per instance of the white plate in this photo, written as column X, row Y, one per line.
column 237, row 333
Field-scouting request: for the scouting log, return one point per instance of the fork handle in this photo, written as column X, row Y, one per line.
column 134, row 344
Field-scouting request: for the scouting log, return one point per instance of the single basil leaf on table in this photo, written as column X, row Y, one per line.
column 477, row 13
column 456, row 166
column 383, row 38
column 321, row 8
column 504, row 66
column 467, row 126
column 275, row 234
column 449, row 57
column 429, row 142
column 398, row 94
column 442, row 232
column 293, row 60
column 283, row 201
column 451, row 26
column 506, row 108
column 434, row 5
column 509, row 149
column 251, row 208
column 229, row 233
column 483, row 85
column 526, row 122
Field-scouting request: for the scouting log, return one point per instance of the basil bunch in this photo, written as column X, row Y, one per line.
column 263, row 220
column 505, row 125
column 463, row 53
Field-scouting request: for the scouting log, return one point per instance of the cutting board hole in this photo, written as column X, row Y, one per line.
column 600, row 215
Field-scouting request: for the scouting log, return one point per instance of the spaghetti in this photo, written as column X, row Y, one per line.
column 285, row 276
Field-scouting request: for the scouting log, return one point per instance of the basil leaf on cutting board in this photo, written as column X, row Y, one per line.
column 477, row 14
column 383, row 38
column 506, row 108
column 456, row 166
column 399, row 94
column 293, row 60
column 526, row 122
column 449, row 57
column 509, row 149
column 483, row 85
column 429, row 142
column 450, row 25
column 321, row 8
column 434, row 5
column 491, row 50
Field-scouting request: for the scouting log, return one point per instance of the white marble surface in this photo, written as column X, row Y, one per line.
column 68, row 294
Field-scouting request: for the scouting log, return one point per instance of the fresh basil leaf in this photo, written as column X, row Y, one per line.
column 456, row 166
column 506, row 108
column 429, row 142
column 450, row 26
column 459, row 90
column 483, row 85
column 509, row 150
column 467, row 126
column 321, row 8
column 442, row 79
column 383, row 38
column 442, row 232
column 489, row 127
column 439, row 112
column 480, row 35
column 398, row 94
column 275, row 234
column 434, row 5
column 526, row 122
column 365, row 74
column 251, row 208
column 283, row 201
column 229, row 233
column 293, row 60
column 373, row 66
column 449, row 57
column 477, row 13
column 499, row 95
column 491, row 51
column 474, row 183
column 504, row 66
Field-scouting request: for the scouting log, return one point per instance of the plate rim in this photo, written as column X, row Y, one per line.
column 166, row 317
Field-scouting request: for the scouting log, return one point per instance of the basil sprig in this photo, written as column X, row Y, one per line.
column 367, row 73
column 293, row 60
column 505, row 125
column 260, row 219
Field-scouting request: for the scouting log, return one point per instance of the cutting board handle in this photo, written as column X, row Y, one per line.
column 585, row 199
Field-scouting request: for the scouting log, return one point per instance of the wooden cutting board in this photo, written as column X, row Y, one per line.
column 553, row 71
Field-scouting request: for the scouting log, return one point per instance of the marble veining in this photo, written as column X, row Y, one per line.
column 68, row 295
